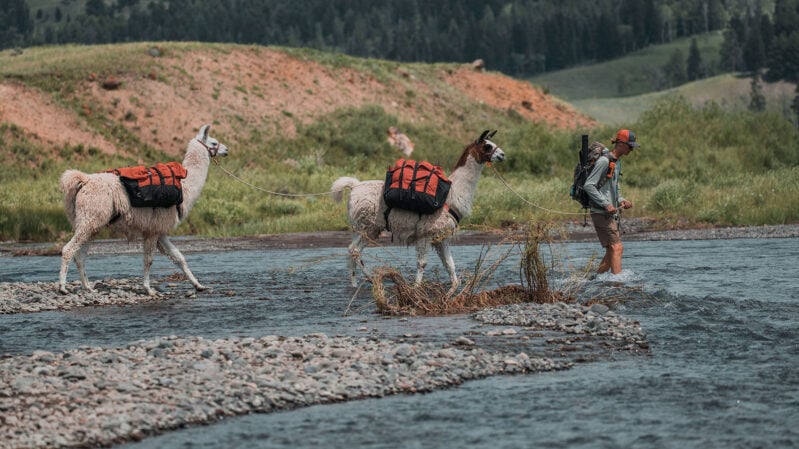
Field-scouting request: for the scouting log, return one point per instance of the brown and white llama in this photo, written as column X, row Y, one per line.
column 366, row 209
column 95, row 201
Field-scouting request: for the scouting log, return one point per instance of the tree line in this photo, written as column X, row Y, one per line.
column 517, row 37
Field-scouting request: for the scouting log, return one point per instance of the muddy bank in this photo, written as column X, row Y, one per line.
column 575, row 231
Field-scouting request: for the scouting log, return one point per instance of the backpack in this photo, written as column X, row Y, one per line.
column 416, row 186
column 588, row 156
column 156, row 186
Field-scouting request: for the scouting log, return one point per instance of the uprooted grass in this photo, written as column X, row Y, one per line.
column 405, row 298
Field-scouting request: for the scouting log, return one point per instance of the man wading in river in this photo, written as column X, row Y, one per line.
column 602, row 187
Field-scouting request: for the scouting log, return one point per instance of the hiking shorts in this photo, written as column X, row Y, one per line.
column 606, row 229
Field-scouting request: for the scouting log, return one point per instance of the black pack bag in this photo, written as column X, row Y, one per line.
column 588, row 156
column 156, row 186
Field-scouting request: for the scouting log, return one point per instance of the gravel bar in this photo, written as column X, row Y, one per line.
column 91, row 396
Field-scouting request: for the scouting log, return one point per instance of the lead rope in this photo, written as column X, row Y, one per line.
column 292, row 195
column 529, row 202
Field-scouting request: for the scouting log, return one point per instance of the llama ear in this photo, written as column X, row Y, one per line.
column 483, row 136
column 491, row 135
column 203, row 134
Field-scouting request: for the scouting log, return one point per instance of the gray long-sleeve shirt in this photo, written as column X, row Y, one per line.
column 608, row 190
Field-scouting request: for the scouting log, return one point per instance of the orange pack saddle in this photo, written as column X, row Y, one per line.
column 156, row 186
column 416, row 186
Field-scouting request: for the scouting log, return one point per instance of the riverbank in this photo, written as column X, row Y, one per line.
column 103, row 396
column 574, row 231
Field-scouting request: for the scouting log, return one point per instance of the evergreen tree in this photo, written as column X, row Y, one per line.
column 754, row 52
column 783, row 57
column 731, row 55
column 694, row 62
column 95, row 7
column 16, row 25
column 795, row 105
column 674, row 69
column 757, row 101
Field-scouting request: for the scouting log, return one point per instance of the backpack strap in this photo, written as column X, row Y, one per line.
column 453, row 213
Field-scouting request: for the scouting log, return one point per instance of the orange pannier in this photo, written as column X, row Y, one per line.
column 416, row 186
column 156, row 186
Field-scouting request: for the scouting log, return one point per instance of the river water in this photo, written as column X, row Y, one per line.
column 722, row 318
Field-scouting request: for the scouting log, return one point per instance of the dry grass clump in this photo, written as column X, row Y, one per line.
column 434, row 298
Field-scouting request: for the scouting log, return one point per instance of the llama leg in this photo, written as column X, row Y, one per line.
column 355, row 260
column 149, row 248
column 445, row 254
column 80, row 257
column 166, row 247
column 67, row 254
column 422, row 246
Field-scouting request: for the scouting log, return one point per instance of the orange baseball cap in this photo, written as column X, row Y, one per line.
column 626, row 136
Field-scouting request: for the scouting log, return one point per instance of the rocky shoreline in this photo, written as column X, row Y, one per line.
column 93, row 396
column 29, row 297
column 103, row 396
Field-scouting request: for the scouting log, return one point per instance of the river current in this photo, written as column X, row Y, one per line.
column 721, row 316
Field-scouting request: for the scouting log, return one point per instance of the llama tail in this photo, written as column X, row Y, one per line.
column 70, row 184
column 340, row 185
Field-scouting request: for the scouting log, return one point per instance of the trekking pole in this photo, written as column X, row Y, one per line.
column 583, row 158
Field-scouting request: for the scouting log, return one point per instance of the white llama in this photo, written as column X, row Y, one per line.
column 94, row 201
column 366, row 209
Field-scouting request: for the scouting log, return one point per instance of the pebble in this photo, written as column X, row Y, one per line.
column 29, row 297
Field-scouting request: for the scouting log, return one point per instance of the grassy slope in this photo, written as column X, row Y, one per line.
column 602, row 80
column 594, row 89
column 731, row 92
column 743, row 169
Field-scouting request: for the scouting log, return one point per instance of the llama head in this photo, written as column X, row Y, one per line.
column 482, row 150
column 211, row 144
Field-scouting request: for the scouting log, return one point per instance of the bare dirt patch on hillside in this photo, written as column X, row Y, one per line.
column 526, row 99
column 44, row 120
column 261, row 89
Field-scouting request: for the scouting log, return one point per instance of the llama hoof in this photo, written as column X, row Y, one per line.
column 151, row 292
column 63, row 290
column 200, row 288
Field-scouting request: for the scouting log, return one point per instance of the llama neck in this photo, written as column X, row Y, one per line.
column 196, row 163
column 464, row 185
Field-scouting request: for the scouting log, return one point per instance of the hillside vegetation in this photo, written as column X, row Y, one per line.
column 619, row 91
column 519, row 37
column 295, row 120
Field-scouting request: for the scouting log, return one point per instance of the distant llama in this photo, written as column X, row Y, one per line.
column 397, row 138
column 366, row 209
column 94, row 201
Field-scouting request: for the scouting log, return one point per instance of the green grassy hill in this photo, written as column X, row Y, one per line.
column 632, row 75
column 730, row 92
column 617, row 92
column 297, row 120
